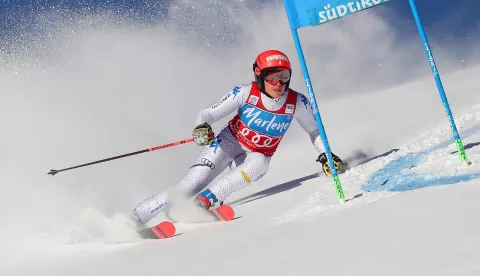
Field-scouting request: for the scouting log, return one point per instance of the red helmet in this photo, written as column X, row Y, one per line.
column 268, row 61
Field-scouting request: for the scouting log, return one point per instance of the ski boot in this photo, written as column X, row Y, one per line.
column 206, row 199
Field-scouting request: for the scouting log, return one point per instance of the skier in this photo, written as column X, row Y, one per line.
column 266, row 108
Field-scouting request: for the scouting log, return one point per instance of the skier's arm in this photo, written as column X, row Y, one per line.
column 226, row 105
column 304, row 116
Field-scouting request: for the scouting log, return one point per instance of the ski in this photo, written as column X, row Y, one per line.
column 166, row 229
column 223, row 212
column 163, row 230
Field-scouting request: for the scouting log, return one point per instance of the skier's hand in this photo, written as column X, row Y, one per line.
column 322, row 158
column 203, row 134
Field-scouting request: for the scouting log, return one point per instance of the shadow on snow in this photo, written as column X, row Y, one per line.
column 358, row 156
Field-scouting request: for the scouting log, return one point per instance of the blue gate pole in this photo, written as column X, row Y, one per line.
column 436, row 75
column 316, row 113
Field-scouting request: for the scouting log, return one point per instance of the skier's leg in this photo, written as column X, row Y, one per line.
column 211, row 161
column 254, row 166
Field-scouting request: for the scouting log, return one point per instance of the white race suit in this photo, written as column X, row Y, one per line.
column 249, row 140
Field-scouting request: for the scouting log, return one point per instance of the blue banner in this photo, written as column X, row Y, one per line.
column 303, row 13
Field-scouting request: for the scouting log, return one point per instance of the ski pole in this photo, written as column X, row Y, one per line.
column 53, row 172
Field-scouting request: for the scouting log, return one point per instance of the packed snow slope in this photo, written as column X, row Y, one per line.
column 411, row 210
column 93, row 86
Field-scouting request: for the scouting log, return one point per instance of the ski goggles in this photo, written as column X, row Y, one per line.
column 282, row 76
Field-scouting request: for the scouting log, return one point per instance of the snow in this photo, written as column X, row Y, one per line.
column 422, row 221
column 411, row 207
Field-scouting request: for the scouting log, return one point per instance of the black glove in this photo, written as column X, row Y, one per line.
column 203, row 134
column 322, row 158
